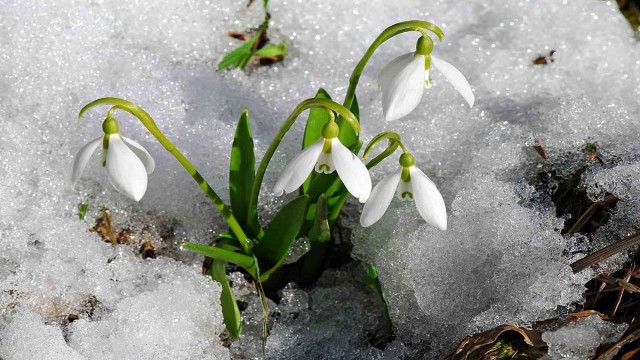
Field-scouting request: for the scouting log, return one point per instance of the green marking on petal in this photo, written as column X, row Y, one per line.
column 407, row 195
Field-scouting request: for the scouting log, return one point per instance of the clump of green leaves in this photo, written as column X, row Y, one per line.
column 256, row 47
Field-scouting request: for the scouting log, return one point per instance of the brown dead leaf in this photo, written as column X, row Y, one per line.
column 584, row 314
column 540, row 149
column 238, row 36
column 483, row 345
column 104, row 228
column 544, row 59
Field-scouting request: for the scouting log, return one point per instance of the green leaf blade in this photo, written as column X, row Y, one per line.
column 273, row 51
column 278, row 237
column 241, row 260
column 230, row 311
column 242, row 173
column 238, row 57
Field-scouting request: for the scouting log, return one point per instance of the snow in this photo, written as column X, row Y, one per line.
column 501, row 260
column 580, row 338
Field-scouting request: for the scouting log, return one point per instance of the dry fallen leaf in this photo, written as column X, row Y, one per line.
column 488, row 344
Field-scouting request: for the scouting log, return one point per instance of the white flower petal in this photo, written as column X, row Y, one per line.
column 82, row 158
column 125, row 170
column 142, row 153
column 428, row 199
column 325, row 164
column 391, row 69
column 455, row 77
column 379, row 200
column 351, row 170
column 403, row 86
column 298, row 169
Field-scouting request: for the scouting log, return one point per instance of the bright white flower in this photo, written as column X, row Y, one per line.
column 404, row 79
column 417, row 186
column 326, row 155
column 126, row 161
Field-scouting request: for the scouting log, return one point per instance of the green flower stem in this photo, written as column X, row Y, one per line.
column 394, row 141
column 386, row 34
column 148, row 122
column 302, row 106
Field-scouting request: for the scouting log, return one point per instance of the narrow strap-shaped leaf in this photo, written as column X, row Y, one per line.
column 318, row 118
column 230, row 311
column 242, row 173
column 320, row 231
column 319, row 237
column 273, row 50
column 373, row 281
column 237, row 57
column 278, row 237
column 347, row 135
column 241, row 260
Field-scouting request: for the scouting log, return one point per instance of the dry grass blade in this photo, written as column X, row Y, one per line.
column 613, row 350
column 600, row 289
column 591, row 210
column 623, row 284
column 585, row 314
column 108, row 227
column 605, row 253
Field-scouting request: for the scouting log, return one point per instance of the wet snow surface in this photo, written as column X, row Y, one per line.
column 501, row 260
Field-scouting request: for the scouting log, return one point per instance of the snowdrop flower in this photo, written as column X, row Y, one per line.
column 410, row 183
column 326, row 155
column 403, row 80
column 126, row 161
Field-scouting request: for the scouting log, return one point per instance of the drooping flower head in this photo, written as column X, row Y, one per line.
column 404, row 79
column 127, row 162
column 410, row 184
column 325, row 156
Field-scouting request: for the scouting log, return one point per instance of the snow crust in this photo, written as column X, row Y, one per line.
column 501, row 260
column 581, row 338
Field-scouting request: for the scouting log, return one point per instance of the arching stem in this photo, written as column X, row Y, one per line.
column 386, row 34
column 150, row 124
column 302, row 106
